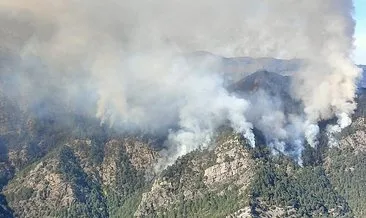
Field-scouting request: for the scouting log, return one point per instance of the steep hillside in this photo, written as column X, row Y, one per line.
column 81, row 178
column 82, row 182
column 345, row 164
column 203, row 183
column 63, row 164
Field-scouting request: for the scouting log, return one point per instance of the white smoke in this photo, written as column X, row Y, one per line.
column 327, row 86
column 129, row 53
column 311, row 132
column 343, row 121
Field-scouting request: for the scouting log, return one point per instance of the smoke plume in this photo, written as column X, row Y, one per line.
column 131, row 63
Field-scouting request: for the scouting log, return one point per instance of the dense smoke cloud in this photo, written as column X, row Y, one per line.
column 133, row 58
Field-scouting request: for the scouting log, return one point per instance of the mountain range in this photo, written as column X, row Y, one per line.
column 64, row 164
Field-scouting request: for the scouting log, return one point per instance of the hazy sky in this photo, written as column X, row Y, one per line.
column 360, row 54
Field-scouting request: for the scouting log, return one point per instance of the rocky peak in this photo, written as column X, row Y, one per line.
column 199, row 173
column 233, row 164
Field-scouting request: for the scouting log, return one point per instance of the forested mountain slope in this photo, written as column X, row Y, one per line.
column 64, row 164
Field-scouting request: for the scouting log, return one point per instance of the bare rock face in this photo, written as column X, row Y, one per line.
column 72, row 173
column 242, row 213
column 167, row 190
column 39, row 190
column 233, row 164
column 229, row 164
column 356, row 136
column 353, row 139
column 109, row 165
column 160, row 195
column 82, row 150
column 142, row 157
column 139, row 153
column 18, row 156
column 264, row 211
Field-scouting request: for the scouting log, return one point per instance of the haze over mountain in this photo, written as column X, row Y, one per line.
column 66, row 160
column 180, row 109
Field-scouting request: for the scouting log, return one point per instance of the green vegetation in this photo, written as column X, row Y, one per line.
column 222, row 201
column 211, row 205
column 347, row 172
column 177, row 173
column 279, row 182
column 121, row 199
column 90, row 199
column 129, row 207
column 123, row 196
column 330, row 182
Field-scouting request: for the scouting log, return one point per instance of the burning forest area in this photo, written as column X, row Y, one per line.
column 236, row 108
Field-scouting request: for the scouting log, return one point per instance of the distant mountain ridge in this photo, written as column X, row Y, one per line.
column 73, row 167
column 239, row 67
